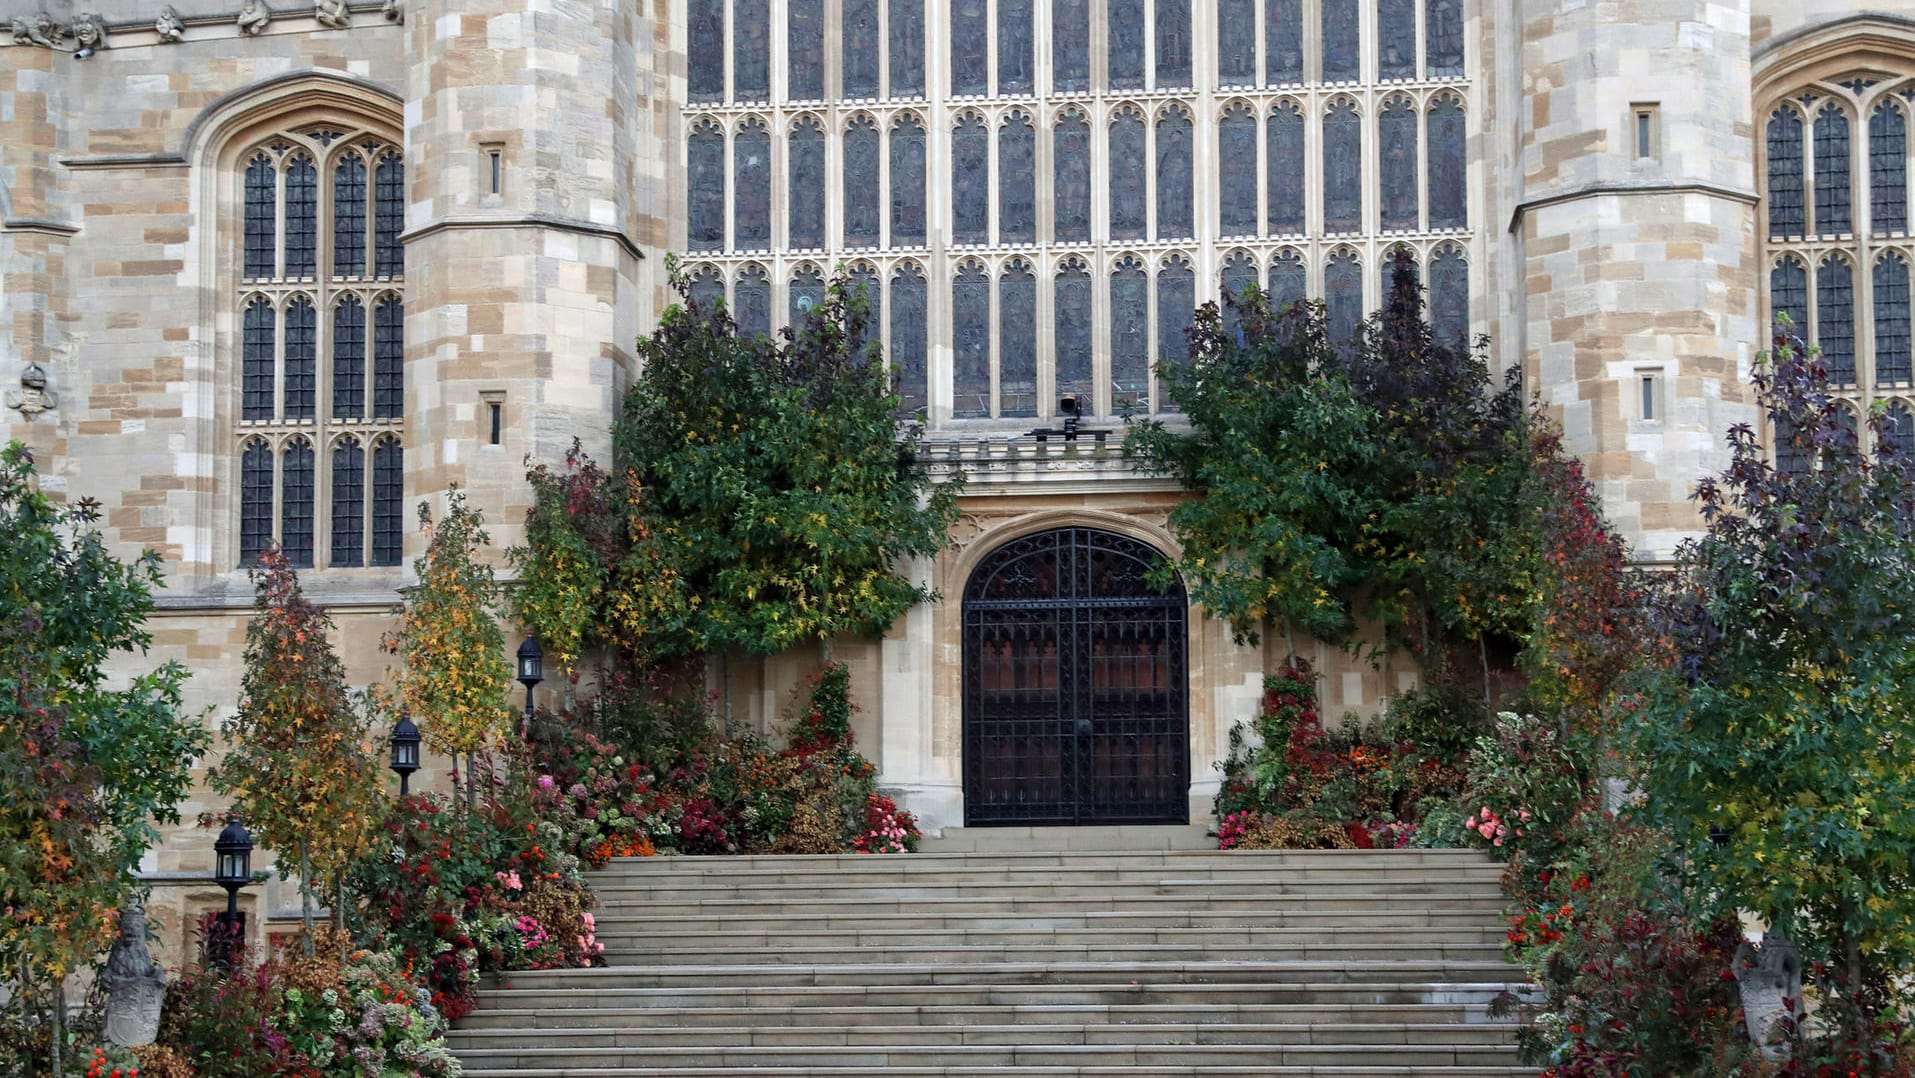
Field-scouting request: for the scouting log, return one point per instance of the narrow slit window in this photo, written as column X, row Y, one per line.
column 495, row 422
column 1647, row 389
column 1644, row 118
column 495, row 170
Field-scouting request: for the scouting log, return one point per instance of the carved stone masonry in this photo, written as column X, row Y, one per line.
column 332, row 13
column 89, row 32
column 33, row 396
column 394, row 11
column 254, row 17
column 1771, row 981
column 169, row 26
column 135, row 984
column 37, row 29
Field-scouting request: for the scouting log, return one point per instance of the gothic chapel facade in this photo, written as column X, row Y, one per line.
column 278, row 273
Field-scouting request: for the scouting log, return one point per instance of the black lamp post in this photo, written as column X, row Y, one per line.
column 232, row 869
column 405, row 751
column 531, row 672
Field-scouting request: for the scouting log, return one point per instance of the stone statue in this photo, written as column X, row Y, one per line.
column 254, row 17
column 89, row 32
column 332, row 13
column 394, row 11
column 35, row 30
column 135, row 985
column 1771, row 981
column 33, row 396
column 169, row 26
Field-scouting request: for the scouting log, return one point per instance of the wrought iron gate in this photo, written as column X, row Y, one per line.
column 1075, row 685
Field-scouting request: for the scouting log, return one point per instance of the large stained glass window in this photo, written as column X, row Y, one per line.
column 1128, row 209
column 970, row 47
column 349, row 358
column 1173, row 174
column 1449, row 296
column 1014, row 48
column 1831, row 171
column 908, row 343
column 1342, row 168
column 805, row 49
column 751, row 50
column 1071, row 327
column 1442, row 38
column 861, row 212
column 1237, row 171
column 1342, row 54
column 1888, row 168
column 255, row 500
column 751, row 161
column 751, row 302
column 296, row 502
column 1835, row 318
column 970, row 181
column 302, row 359
column 805, row 189
column 1343, row 294
column 1789, row 294
column 705, row 201
column 1017, row 340
column 705, row 49
column 1891, row 320
column 1285, row 162
column 807, row 292
column 1070, row 172
column 1070, row 45
column 1236, row 42
column 1239, row 273
column 1784, row 193
column 1289, row 281
column 1448, row 168
column 1124, row 58
column 302, row 217
column 1396, row 147
column 348, row 503
column 971, row 342
column 907, row 182
column 262, row 214
column 1129, row 335
column 1017, row 180
column 349, row 215
column 1282, row 42
column 1173, row 43
column 905, row 28
column 1176, row 313
column 1395, row 39
column 858, row 32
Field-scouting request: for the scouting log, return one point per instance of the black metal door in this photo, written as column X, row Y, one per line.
column 1075, row 702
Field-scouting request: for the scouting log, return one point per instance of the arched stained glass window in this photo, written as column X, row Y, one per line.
column 296, row 503
column 970, row 181
column 1900, row 429
column 1176, row 314
column 805, row 197
column 806, row 294
column 255, row 501
column 1124, row 56
column 751, row 50
column 858, row 50
column 1891, row 320
column 1239, row 273
column 389, row 217
column 1070, row 177
column 1342, row 168
column 1289, row 284
column 861, row 205
column 1237, row 171
column 1282, row 42
column 302, row 216
column 1790, row 456
column 864, row 282
column 1284, row 161
column 1173, row 174
column 1071, row 327
column 349, row 215
column 909, row 316
column 1395, row 39
column 1017, row 340
column 1070, row 45
column 1449, row 297
column 388, row 358
column 705, row 49
column 705, row 163
column 302, row 360
column 971, row 343
column 1342, row 54
column 707, row 289
column 1831, row 171
column 1014, row 70
column 1173, row 43
column 1127, row 181
column 262, row 212
column 1449, row 169
column 1784, row 191
column 1888, row 168
column 1017, row 180
column 1789, row 294
column 1129, row 335
column 751, row 162
column 388, row 497
column 258, row 376
column 751, row 302
column 905, row 28
column 1442, row 38
column 1343, row 293
column 349, row 359
column 970, row 47
column 907, row 182
column 1835, row 318
column 1236, row 42
column 1396, row 147
column 348, row 503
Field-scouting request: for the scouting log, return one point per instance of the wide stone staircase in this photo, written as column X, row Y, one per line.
column 983, row 955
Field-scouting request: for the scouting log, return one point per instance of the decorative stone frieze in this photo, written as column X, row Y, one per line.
column 168, row 26
column 254, row 17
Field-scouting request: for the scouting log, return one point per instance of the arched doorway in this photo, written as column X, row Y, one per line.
column 1075, row 684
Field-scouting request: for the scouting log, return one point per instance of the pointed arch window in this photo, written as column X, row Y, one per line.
column 1014, row 62
column 1342, row 168
column 388, row 358
column 1396, row 148
column 1443, row 38
column 905, row 27
column 1070, row 177
column 861, row 204
column 1282, row 42
column 1017, row 340
column 1784, row 193
column 1449, row 297
column 1285, row 163
column 1900, row 428
column 909, row 316
column 255, row 500
column 1888, row 168
column 751, row 51
column 1236, row 42
column 1124, row 52
column 1343, row 294
column 1831, row 171
column 302, row 217
column 1342, row 53
column 1070, row 45
column 1396, row 39
column 705, row 49
column 864, row 283
column 258, row 377
column 705, row 164
column 1239, row 273
column 1448, row 178
column 1173, row 43
column 1127, row 181
column 807, row 293
column 1176, row 314
column 907, row 182
column 389, row 216
column 1129, row 335
column 970, row 181
column 262, row 211
column 971, row 343
column 302, row 360
column 707, row 290
column 970, row 45
column 1174, row 218
column 1835, row 318
column 751, row 162
column 1072, row 330
column 388, row 494
column 1289, row 282
column 349, row 358
column 348, row 503
column 296, row 503
column 349, row 215
column 751, row 301
column 805, row 198
column 1237, row 171
column 1789, row 294
column 859, row 48
column 1017, row 180
column 1891, row 320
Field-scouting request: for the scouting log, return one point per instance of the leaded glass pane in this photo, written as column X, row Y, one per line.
column 1396, row 137
column 1449, row 171
column 1070, row 45
column 705, row 164
column 1396, row 39
column 1835, row 319
column 1173, row 174
column 1070, row 177
column 864, row 283
column 257, row 376
column 1449, row 297
column 349, row 359
column 970, row 181
column 707, row 290
column 1285, row 166
column 905, row 26
column 804, row 50
column 1282, row 42
column 388, row 358
column 1342, row 55
column 1127, row 164
column 862, row 215
column 348, row 504
column 1017, row 180
column 262, row 199
column 1176, row 314
column 388, row 497
column 970, row 47
column 1237, row 171
column 1124, row 60
column 1789, row 295
column 302, row 217
column 705, row 49
column 1891, row 320
column 302, row 360
column 909, row 315
column 1784, row 192
column 807, row 292
column 1888, row 168
column 1831, row 171
column 1789, row 456
column 1443, row 38
column 751, row 161
column 1173, row 43
column 296, row 503
column 1900, row 429
column 1017, row 341
column 751, row 302
column 349, row 216
column 1236, row 42
column 859, row 48
column 1289, row 285
column 1071, row 328
column 255, row 501
column 907, row 182
column 971, row 343
column 389, row 217
column 1342, row 169
column 1343, row 293
column 1129, row 335
column 1239, row 273
column 1014, row 47
column 805, row 200
column 751, row 51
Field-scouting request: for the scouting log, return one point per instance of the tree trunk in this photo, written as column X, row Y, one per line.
column 59, row 1023
column 724, row 677
column 306, row 897
column 1482, row 654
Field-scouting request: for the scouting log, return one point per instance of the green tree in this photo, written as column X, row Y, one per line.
column 299, row 767
column 88, row 769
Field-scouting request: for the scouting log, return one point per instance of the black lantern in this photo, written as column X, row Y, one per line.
column 405, row 751
column 531, row 672
column 232, row 869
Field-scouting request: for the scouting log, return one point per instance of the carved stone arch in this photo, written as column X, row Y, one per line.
column 1830, row 50
column 1232, row 107
column 295, row 101
column 994, row 532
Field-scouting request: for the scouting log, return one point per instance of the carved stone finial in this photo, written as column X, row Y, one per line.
column 333, row 13
column 254, row 17
column 36, row 29
column 1771, row 981
column 394, row 11
column 89, row 32
column 135, row 984
column 33, row 396
column 169, row 26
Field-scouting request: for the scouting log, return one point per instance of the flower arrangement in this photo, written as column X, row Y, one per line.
column 887, row 828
